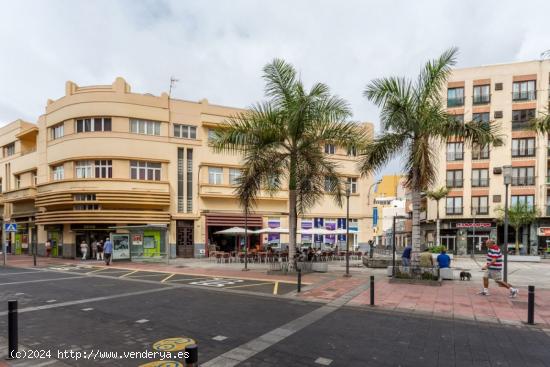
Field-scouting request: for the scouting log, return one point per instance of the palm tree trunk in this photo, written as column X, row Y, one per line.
column 438, row 227
column 292, row 224
column 416, row 199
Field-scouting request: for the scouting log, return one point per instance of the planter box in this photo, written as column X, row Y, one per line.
column 320, row 267
column 524, row 258
column 378, row 263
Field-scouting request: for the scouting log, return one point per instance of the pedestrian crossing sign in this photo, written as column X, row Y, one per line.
column 10, row 227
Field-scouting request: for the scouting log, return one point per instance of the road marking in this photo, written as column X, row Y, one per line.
column 145, row 275
column 173, row 344
column 168, row 277
column 246, row 285
column 142, row 321
column 96, row 271
column 245, row 351
column 130, row 273
column 19, row 294
column 21, row 272
column 217, row 282
column 275, row 288
column 87, row 309
column 41, row 280
column 51, row 301
column 88, row 300
column 323, row 361
column 187, row 279
column 219, row 338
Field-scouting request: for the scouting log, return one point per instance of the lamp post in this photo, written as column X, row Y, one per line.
column 507, row 175
column 348, row 193
column 245, row 239
column 474, row 212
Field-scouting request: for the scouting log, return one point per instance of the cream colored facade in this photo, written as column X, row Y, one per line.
column 102, row 158
column 508, row 95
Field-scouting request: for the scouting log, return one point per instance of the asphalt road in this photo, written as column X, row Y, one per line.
column 121, row 312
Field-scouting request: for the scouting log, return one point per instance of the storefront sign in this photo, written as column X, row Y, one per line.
column 544, row 231
column 137, row 239
column 121, row 248
column 274, row 238
column 473, row 225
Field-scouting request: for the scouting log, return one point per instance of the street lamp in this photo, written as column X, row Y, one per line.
column 474, row 212
column 245, row 240
column 348, row 193
column 507, row 175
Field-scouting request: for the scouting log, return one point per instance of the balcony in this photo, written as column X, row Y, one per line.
column 523, row 181
column 26, row 193
column 548, row 210
column 455, row 102
column 228, row 191
column 527, row 152
column 522, row 125
column 524, row 96
column 455, row 156
column 482, row 99
column 453, row 210
column 480, row 182
column 480, row 210
column 456, row 183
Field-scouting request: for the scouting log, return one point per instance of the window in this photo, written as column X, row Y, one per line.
column 454, row 178
column 58, row 173
column 330, row 184
column 84, row 169
column 34, row 178
column 352, row 151
column 524, row 147
column 352, row 182
column 454, row 205
column 330, row 148
column 524, row 91
column 483, row 117
column 455, row 97
column 234, row 175
column 480, row 177
column 86, row 207
column 141, row 170
column 0, row 185
column 103, row 168
column 522, row 176
column 9, row 150
column 480, row 205
column 215, row 175
column 482, row 94
column 93, row 124
column 523, row 115
column 480, row 152
column 57, row 131
column 212, row 135
column 528, row 200
column 145, row 127
column 17, row 179
column 185, row 131
column 458, row 118
column 455, row 151
column 84, row 197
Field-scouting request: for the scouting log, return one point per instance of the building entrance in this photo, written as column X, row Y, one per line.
column 184, row 239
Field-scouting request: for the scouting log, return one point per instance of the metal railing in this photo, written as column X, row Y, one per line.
column 528, row 152
column 521, row 125
column 455, row 156
column 456, row 183
column 523, row 181
column 453, row 210
column 480, row 210
column 455, row 102
column 524, row 96
column 482, row 99
column 480, row 182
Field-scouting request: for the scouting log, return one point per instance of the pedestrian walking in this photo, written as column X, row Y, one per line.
column 48, row 246
column 493, row 270
column 84, row 249
column 107, row 251
column 406, row 256
column 100, row 250
column 94, row 250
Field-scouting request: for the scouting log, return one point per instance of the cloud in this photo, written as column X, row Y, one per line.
column 218, row 48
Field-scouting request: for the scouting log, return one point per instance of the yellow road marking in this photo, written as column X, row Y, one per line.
column 95, row 271
column 168, row 277
column 275, row 288
column 246, row 285
column 130, row 273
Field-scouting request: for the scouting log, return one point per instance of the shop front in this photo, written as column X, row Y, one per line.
column 462, row 238
column 140, row 242
column 89, row 233
column 54, row 236
column 228, row 243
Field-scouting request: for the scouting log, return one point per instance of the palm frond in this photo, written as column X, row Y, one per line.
column 381, row 150
column 280, row 82
column 433, row 77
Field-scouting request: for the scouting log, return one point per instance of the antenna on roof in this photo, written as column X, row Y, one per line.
column 173, row 82
column 545, row 55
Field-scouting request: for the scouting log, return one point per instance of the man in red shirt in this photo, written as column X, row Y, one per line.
column 494, row 270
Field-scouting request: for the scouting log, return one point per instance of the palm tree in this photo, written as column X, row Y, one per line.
column 415, row 124
column 437, row 195
column 519, row 215
column 282, row 142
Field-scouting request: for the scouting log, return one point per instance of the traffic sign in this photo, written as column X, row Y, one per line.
column 10, row 227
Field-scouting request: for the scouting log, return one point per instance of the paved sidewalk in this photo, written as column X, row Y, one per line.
column 451, row 299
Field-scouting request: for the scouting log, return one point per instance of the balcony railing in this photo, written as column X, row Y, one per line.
column 453, row 210
column 521, row 125
column 455, row 102
column 480, row 182
column 455, row 156
column 524, row 96
column 548, row 210
column 480, row 155
column 456, row 183
column 480, row 210
column 523, row 181
column 482, row 99
column 529, row 152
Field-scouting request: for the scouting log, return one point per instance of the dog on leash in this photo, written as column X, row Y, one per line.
column 464, row 275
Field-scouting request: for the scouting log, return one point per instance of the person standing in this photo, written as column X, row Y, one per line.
column 100, row 250
column 406, row 256
column 48, row 246
column 94, row 249
column 84, row 249
column 493, row 269
column 107, row 251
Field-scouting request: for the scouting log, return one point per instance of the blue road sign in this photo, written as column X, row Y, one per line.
column 10, row 227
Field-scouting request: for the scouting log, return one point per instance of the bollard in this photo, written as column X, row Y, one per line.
column 12, row 330
column 299, row 280
column 531, row 305
column 192, row 359
column 372, row 290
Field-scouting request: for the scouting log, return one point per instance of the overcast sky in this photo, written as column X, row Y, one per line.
column 217, row 48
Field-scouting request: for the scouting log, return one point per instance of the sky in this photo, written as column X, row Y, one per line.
column 217, row 48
